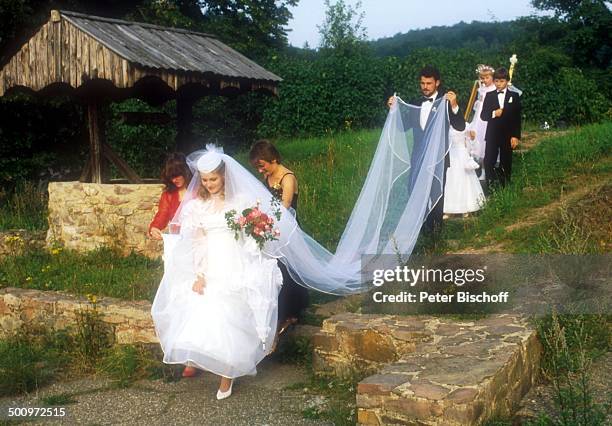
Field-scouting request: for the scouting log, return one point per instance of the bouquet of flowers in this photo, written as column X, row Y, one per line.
column 254, row 223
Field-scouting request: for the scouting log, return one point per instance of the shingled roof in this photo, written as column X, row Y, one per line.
column 74, row 48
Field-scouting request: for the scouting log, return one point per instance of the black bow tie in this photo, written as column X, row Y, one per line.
column 426, row 99
column 500, row 92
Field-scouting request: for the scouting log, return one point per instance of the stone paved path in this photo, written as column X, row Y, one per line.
column 258, row 400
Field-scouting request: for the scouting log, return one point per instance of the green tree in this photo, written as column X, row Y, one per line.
column 250, row 26
column 343, row 26
column 589, row 34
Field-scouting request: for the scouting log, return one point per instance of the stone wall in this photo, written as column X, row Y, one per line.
column 431, row 371
column 18, row 241
column 85, row 216
column 129, row 321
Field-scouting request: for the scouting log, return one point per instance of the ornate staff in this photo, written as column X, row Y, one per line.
column 513, row 62
column 481, row 68
column 470, row 104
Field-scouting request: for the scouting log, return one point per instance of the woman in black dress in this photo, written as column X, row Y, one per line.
column 281, row 181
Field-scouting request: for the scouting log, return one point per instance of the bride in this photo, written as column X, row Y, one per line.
column 216, row 306
column 217, row 300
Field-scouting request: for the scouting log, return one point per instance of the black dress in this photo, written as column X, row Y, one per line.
column 293, row 298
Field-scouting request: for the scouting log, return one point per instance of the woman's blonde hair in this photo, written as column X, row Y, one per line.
column 203, row 192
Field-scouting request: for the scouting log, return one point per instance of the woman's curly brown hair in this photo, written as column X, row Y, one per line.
column 175, row 165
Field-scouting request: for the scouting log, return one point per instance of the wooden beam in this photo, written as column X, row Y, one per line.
column 123, row 167
column 184, row 123
column 96, row 139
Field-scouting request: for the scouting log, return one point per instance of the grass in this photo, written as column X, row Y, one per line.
column 571, row 343
column 540, row 176
column 295, row 350
column 103, row 272
column 331, row 399
column 31, row 358
column 125, row 364
column 59, row 399
column 24, row 207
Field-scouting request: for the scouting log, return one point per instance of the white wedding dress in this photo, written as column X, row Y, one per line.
column 230, row 328
column 462, row 192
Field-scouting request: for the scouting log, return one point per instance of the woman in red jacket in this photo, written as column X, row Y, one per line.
column 176, row 176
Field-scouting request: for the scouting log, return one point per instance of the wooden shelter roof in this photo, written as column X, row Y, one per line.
column 76, row 49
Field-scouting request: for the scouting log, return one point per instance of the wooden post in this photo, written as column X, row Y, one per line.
column 184, row 123
column 96, row 139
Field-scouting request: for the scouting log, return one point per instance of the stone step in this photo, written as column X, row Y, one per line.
column 428, row 370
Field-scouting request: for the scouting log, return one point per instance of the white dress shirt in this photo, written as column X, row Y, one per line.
column 501, row 97
column 426, row 109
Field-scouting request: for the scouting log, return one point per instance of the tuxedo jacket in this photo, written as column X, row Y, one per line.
column 501, row 129
column 412, row 119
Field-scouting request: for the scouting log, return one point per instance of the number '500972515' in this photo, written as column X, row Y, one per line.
column 37, row 412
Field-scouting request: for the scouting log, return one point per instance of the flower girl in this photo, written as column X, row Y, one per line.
column 462, row 193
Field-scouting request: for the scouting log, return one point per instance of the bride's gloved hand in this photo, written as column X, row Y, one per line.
column 199, row 285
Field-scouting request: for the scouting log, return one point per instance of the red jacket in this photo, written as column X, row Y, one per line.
column 168, row 205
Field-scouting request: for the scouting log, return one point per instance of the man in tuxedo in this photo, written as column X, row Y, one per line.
column 419, row 119
column 502, row 110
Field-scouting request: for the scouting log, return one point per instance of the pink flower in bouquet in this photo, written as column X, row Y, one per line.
column 254, row 223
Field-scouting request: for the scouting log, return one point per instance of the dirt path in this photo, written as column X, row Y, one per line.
column 260, row 400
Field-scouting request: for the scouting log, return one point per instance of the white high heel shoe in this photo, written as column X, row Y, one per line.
column 227, row 393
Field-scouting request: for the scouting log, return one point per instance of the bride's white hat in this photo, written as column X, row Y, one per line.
column 209, row 162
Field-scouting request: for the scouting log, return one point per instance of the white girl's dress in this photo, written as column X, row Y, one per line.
column 462, row 191
column 230, row 328
column 477, row 147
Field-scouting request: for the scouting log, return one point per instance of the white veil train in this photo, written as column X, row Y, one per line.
column 398, row 193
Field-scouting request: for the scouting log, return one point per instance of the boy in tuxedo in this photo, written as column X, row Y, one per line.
column 501, row 109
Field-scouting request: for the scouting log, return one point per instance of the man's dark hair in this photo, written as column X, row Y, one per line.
column 429, row 72
column 501, row 73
